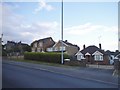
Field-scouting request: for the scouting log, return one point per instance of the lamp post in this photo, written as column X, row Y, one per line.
column 62, row 57
column 1, row 38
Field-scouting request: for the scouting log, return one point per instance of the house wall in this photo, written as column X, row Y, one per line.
column 71, row 50
column 34, row 48
column 58, row 46
column 105, row 60
column 42, row 45
column 48, row 43
column 92, row 61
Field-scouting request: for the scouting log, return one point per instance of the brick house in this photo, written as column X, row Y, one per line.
column 41, row 45
column 68, row 48
column 93, row 55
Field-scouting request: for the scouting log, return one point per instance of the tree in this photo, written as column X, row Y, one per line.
column 26, row 48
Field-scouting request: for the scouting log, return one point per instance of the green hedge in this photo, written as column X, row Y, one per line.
column 45, row 57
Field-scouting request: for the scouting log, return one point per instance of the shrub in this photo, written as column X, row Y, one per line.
column 44, row 57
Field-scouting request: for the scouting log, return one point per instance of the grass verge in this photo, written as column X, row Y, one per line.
column 39, row 62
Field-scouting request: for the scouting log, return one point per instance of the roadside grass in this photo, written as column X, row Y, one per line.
column 39, row 62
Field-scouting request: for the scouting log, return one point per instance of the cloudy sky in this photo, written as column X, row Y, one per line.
column 88, row 23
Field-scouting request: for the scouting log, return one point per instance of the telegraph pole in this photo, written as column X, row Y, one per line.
column 62, row 57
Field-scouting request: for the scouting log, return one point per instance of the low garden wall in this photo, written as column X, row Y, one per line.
column 75, row 63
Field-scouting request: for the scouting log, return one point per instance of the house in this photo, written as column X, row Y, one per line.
column 93, row 55
column 112, row 55
column 10, row 45
column 117, row 56
column 15, row 48
column 68, row 48
column 41, row 45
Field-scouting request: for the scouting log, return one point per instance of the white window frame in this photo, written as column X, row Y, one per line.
column 98, row 57
column 40, row 44
column 79, row 57
column 49, row 49
column 56, row 49
column 64, row 48
column 35, row 45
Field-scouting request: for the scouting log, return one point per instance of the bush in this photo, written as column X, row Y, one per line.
column 4, row 53
column 45, row 57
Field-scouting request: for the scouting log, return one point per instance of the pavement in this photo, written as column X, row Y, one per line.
column 92, row 74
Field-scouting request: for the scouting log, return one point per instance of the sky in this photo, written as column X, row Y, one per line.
column 88, row 23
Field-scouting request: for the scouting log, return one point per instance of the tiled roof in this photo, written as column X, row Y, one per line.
column 44, row 39
column 112, row 53
column 70, row 44
column 91, row 50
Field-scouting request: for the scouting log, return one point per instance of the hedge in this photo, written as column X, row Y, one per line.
column 44, row 57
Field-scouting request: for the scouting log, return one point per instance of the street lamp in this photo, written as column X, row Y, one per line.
column 1, row 38
column 62, row 57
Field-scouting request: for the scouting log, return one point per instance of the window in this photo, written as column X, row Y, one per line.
column 38, row 50
column 63, row 48
column 56, row 49
column 80, row 57
column 40, row 44
column 35, row 45
column 98, row 57
column 49, row 49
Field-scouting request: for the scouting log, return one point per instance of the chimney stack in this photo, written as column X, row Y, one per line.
column 100, row 46
column 84, row 46
column 66, row 41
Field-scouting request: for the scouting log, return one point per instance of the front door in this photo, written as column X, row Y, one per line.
column 88, row 59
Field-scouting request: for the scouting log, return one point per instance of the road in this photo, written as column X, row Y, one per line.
column 15, row 76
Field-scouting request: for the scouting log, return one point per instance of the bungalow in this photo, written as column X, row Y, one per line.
column 41, row 45
column 68, row 48
column 118, row 56
column 93, row 55
column 112, row 56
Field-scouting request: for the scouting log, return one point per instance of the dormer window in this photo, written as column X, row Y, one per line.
column 98, row 56
column 80, row 56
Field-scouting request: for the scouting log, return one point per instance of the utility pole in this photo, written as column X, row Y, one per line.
column 62, row 57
